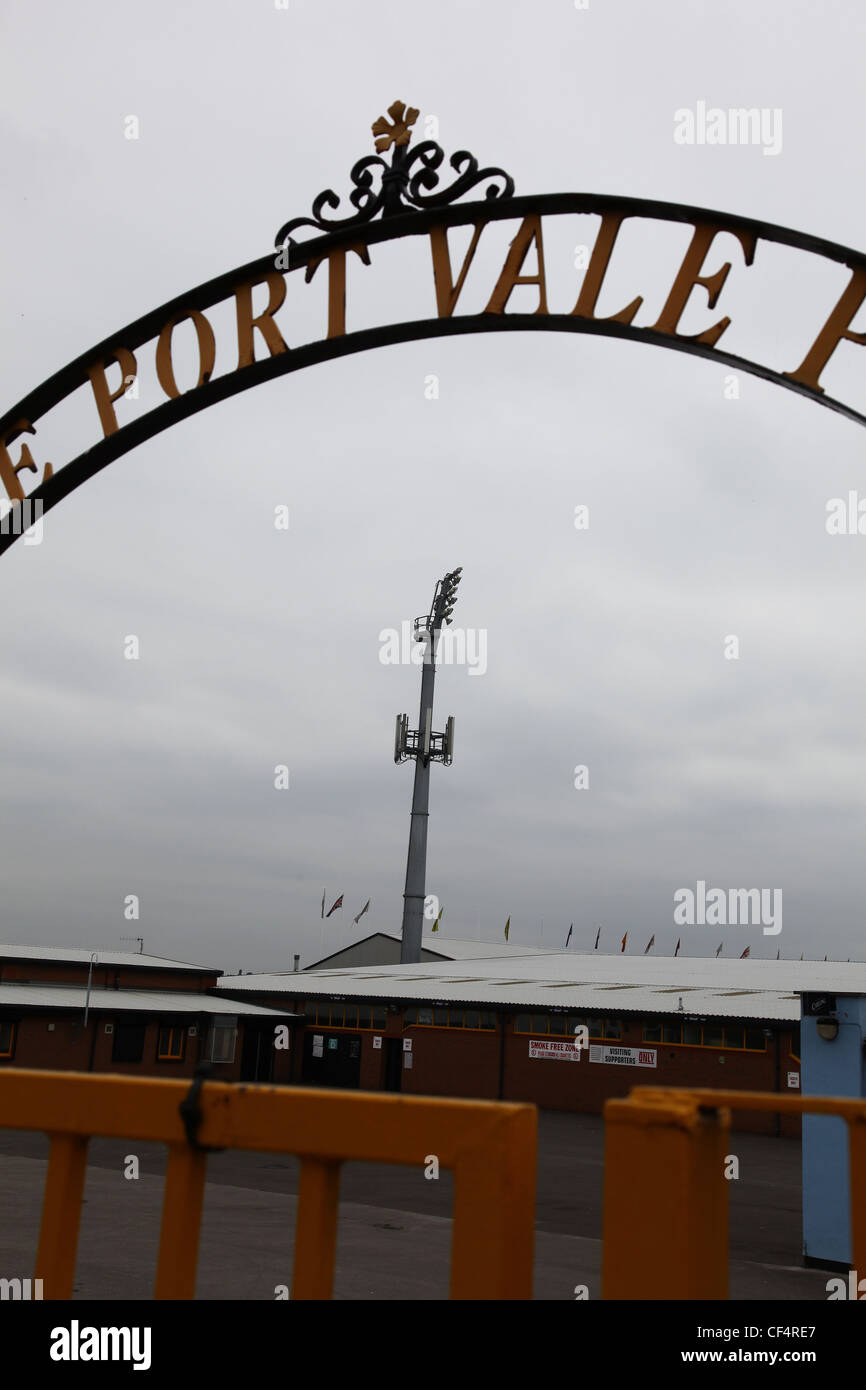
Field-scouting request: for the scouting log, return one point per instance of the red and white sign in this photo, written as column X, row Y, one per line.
column 624, row 1056
column 559, row 1051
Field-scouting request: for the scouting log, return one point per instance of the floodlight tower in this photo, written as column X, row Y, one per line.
column 425, row 747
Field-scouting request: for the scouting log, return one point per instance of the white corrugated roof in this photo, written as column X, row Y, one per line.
column 585, row 982
column 80, row 956
column 152, row 1001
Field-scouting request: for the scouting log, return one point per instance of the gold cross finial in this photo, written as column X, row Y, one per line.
column 397, row 133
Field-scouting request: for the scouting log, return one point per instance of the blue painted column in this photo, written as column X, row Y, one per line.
column 829, row 1068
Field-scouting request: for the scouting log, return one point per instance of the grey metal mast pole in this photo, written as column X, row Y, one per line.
column 416, row 860
column 426, row 747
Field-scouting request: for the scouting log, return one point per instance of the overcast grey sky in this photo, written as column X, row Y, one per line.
column 259, row 647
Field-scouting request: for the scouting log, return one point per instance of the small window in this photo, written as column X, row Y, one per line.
column 310, row 1010
column 734, row 1035
column 714, row 1035
column 575, row 1021
column 652, row 1032
column 539, row 1023
column 425, row 1016
column 455, row 1018
column 612, row 1028
column 440, row 1018
column 410, row 1016
column 171, row 1041
column 692, row 1034
column 595, row 1027
column 380, row 1016
column 351, row 1018
column 672, row 1032
column 128, row 1045
column 365, row 1016
column 323, row 1014
column 473, row 1018
column 559, row 1024
column 7, row 1038
column 523, row 1023
column 488, row 1020
column 224, row 1035
column 337, row 1011
column 755, row 1040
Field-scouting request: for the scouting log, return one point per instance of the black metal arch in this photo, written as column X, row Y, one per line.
column 414, row 223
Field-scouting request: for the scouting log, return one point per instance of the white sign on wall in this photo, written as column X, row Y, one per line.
column 377, row 1041
column 794, row 1080
column 559, row 1051
column 407, row 1060
column 407, row 1044
column 624, row 1056
column 318, row 1044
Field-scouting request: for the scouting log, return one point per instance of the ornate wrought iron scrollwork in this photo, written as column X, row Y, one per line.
column 400, row 189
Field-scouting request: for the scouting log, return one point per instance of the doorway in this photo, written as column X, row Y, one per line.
column 332, row 1059
column 393, row 1063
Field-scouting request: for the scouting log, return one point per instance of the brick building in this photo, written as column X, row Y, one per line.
column 125, row 1013
column 501, row 1025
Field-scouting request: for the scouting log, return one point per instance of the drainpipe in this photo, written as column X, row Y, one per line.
column 93, row 956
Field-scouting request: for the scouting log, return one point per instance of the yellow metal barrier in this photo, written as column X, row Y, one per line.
column 489, row 1146
column 665, row 1222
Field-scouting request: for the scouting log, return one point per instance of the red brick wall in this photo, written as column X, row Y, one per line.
column 67, row 1047
column 585, row 1085
column 454, row 1062
column 451, row 1062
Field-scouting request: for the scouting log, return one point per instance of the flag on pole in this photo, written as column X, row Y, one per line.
column 365, row 908
column 649, row 945
column 323, row 902
column 801, row 955
column 746, row 953
column 568, row 938
column 597, row 935
column 622, row 948
column 435, row 926
column 338, row 903
column 718, row 949
column 677, row 951
column 507, row 927
column 777, row 955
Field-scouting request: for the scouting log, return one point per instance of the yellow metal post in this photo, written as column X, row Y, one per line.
column 61, row 1215
column 857, row 1190
column 316, row 1230
column 493, row 1243
column 181, row 1223
column 665, row 1232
